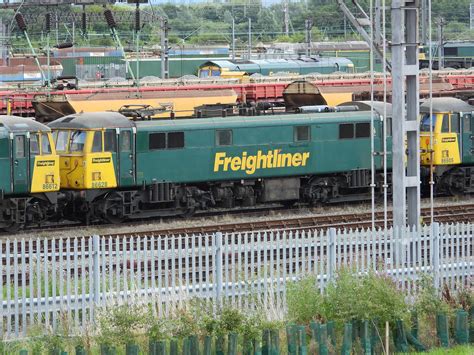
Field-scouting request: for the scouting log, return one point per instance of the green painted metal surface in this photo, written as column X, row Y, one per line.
column 265, row 138
column 461, row 329
column 347, row 340
column 174, row 347
column 5, row 165
column 275, row 342
column 442, row 329
column 302, row 346
column 323, row 340
column 291, row 339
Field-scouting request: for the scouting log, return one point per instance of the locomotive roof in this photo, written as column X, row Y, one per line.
column 446, row 104
column 253, row 121
column 21, row 124
column 92, row 120
column 365, row 106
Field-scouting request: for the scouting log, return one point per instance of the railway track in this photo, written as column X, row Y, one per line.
column 442, row 214
column 355, row 220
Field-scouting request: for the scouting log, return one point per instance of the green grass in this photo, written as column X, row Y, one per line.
column 457, row 350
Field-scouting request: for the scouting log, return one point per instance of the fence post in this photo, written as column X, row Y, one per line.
column 331, row 253
column 218, row 270
column 435, row 256
column 96, row 264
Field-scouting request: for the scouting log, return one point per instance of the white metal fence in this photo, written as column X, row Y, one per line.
column 45, row 280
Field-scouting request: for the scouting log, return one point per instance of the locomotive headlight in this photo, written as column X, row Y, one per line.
column 96, row 176
column 49, row 179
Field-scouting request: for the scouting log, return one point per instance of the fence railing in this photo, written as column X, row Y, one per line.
column 49, row 280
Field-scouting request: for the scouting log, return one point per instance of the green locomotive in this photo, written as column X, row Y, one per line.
column 29, row 172
column 117, row 169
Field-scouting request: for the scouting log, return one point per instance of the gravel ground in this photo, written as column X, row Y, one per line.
column 178, row 222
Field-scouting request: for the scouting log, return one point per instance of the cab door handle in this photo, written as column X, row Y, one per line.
column 16, row 162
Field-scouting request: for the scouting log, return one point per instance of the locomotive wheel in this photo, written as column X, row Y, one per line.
column 12, row 227
column 112, row 208
column 455, row 183
column 189, row 212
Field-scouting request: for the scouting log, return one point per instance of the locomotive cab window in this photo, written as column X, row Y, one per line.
column 451, row 51
column 346, row 131
column 455, row 124
column 110, row 141
column 45, row 145
column 34, row 144
column 362, row 130
column 427, row 122
column 224, row 137
column 19, row 146
column 175, row 140
column 302, row 134
column 467, row 122
column 97, row 142
column 157, row 141
column 61, row 139
column 77, row 141
column 445, row 124
column 125, row 141
column 389, row 126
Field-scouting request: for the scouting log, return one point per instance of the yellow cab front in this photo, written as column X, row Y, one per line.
column 85, row 161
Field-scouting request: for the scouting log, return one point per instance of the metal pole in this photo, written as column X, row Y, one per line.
column 398, row 114
column 425, row 21
column 377, row 23
column 48, row 56
column 372, row 138
column 286, row 17
column 127, row 62
column 137, row 37
column 441, row 24
column 164, row 49
column 308, row 25
column 250, row 39
column 57, row 25
column 73, row 37
column 430, row 34
column 385, row 126
column 233, row 38
column 43, row 77
column 406, row 182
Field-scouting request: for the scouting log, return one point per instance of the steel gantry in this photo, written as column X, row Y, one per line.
column 405, row 101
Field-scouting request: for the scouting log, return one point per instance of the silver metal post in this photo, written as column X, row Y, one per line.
column 308, row 25
column 372, row 137
column 48, row 56
column 425, row 21
column 33, row 52
column 249, row 49
column 385, row 126
column 441, row 22
column 406, row 183
column 377, row 21
column 164, row 49
column 286, row 15
column 233, row 38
